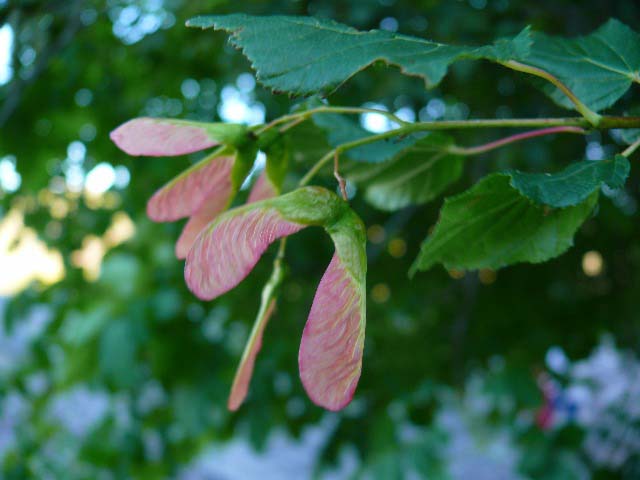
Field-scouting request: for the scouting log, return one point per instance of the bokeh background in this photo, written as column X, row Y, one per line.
column 110, row 368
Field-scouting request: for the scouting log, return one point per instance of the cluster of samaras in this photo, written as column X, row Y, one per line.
column 221, row 245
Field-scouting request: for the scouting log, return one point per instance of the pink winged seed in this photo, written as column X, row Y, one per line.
column 245, row 369
column 223, row 256
column 185, row 195
column 330, row 356
column 262, row 189
column 157, row 137
column 212, row 207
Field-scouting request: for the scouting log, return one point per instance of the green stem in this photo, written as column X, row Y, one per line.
column 329, row 109
column 414, row 127
column 631, row 148
column 605, row 122
column 586, row 112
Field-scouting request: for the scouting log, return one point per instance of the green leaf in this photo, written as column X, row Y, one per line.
column 492, row 225
column 416, row 175
column 340, row 129
column 304, row 55
column 630, row 135
column 574, row 184
column 598, row 68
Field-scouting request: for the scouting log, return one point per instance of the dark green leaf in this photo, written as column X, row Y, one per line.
column 492, row 225
column 304, row 55
column 574, row 184
column 598, row 68
column 630, row 135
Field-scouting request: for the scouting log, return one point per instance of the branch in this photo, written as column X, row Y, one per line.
column 564, row 125
column 586, row 112
column 468, row 151
column 631, row 148
column 294, row 117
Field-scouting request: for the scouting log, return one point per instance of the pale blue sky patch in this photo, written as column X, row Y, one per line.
column 6, row 48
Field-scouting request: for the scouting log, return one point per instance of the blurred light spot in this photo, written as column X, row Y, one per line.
column 375, row 122
column 389, row 23
column 456, row 274
column 10, row 179
column 121, row 229
column 100, row 179
column 282, row 383
column 89, row 257
column 27, row 56
column 59, row 207
column 24, row 257
column 592, row 263
column 63, row 407
column 245, row 82
column 435, row 108
column 173, row 107
column 123, row 177
column 190, row 88
column 458, row 111
column 406, row 113
column 376, row 234
column 295, row 407
column 76, row 151
column 129, row 14
column 397, row 248
column 74, row 178
column 557, row 360
column 133, row 22
column 240, row 107
column 88, row 16
column 594, row 151
column 53, row 230
column 380, row 293
column 487, row 276
column 6, row 50
column 87, row 132
column 83, row 97
column 478, row 4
